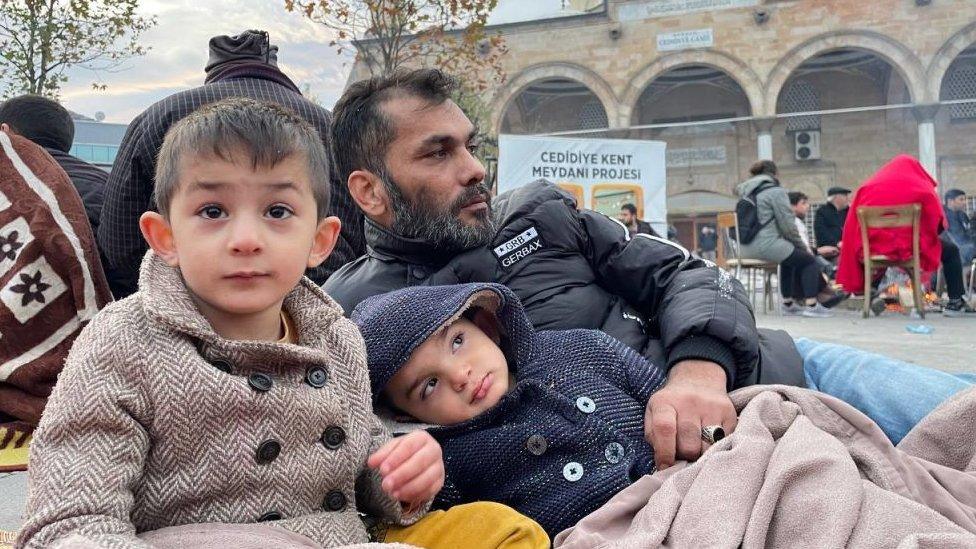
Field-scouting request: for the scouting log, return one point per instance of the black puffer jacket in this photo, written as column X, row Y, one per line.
column 580, row 269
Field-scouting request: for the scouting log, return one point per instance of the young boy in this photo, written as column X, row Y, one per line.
column 549, row 422
column 229, row 389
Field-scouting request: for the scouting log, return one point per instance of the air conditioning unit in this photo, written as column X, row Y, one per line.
column 806, row 145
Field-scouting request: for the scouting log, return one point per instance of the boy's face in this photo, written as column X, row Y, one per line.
column 801, row 208
column 458, row 373
column 242, row 237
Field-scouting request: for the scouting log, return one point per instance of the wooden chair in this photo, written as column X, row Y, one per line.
column 727, row 257
column 873, row 217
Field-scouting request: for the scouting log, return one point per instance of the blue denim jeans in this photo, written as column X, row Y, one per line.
column 895, row 394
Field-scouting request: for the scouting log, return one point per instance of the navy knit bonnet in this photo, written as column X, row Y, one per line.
column 395, row 323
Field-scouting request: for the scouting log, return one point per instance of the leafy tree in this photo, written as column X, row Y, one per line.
column 41, row 39
column 390, row 34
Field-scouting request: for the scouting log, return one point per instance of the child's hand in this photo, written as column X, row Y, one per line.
column 411, row 467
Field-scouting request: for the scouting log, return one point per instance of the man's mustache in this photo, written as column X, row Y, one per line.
column 469, row 194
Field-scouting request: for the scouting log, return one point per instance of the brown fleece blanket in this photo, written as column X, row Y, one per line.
column 804, row 469
column 51, row 280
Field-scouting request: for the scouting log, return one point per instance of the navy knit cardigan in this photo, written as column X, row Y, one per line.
column 566, row 438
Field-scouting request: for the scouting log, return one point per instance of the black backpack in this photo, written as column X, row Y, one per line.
column 748, row 214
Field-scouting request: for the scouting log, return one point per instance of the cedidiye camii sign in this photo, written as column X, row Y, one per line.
column 635, row 11
column 673, row 41
column 596, row 170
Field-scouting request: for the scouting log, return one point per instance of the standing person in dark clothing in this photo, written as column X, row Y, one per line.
column 828, row 224
column 48, row 124
column 628, row 216
column 245, row 65
column 707, row 242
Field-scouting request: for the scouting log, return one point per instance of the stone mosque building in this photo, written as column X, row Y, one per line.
column 828, row 89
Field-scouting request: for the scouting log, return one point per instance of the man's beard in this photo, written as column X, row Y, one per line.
column 443, row 228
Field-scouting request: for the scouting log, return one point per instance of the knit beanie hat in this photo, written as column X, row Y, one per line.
column 396, row 323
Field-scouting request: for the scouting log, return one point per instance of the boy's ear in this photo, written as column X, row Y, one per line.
column 369, row 192
column 326, row 236
column 488, row 324
column 158, row 233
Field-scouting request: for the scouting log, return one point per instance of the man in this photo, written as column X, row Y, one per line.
column 628, row 216
column 828, row 224
column 708, row 242
column 48, row 124
column 407, row 153
column 800, row 203
column 960, row 227
column 239, row 66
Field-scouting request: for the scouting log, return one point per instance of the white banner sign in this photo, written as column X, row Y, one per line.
column 635, row 11
column 673, row 41
column 591, row 167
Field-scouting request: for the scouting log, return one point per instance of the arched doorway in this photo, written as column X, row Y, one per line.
column 955, row 124
column 817, row 151
column 690, row 107
column 554, row 105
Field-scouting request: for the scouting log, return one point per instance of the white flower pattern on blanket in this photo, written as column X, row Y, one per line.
column 32, row 289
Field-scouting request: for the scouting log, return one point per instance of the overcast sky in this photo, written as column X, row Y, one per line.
column 179, row 52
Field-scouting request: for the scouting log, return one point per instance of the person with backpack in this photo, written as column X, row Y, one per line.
column 767, row 231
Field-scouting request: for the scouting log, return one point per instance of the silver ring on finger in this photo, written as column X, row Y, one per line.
column 712, row 433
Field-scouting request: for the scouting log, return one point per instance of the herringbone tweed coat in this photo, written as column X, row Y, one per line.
column 145, row 429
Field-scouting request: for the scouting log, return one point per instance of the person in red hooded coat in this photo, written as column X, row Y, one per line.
column 903, row 180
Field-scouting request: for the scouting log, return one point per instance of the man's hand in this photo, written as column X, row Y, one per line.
column 694, row 396
column 827, row 251
column 412, row 468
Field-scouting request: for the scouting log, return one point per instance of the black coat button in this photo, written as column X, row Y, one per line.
column 270, row 515
column 316, row 376
column 222, row 365
column 267, row 451
column 536, row 445
column 333, row 437
column 418, row 273
column 334, row 501
column 260, row 382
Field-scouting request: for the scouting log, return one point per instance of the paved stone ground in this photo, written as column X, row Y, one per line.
column 950, row 347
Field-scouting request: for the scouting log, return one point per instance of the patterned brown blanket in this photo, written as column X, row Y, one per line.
column 51, row 279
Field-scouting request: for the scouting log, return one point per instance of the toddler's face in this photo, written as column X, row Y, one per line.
column 458, row 373
column 243, row 236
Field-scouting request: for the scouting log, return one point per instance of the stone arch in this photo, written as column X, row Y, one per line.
column 738, row 71
column 896, row 54
column 596, row 84
column 948, row 53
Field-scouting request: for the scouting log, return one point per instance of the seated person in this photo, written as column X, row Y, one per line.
column 554, row 423
column 229, row 388
column 51, row 280
column 49, row 124
column 903, row 180
column 828, row 224
column 960, row 226
column 778, row 241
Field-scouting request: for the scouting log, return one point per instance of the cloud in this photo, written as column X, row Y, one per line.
column 179, row 52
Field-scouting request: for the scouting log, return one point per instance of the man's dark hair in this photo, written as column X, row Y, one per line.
column 40, row 120
column 764, row 167
column 796, row 197
column 266, row 133
column 361, row 131
column 630, row 208
column 953, row 194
